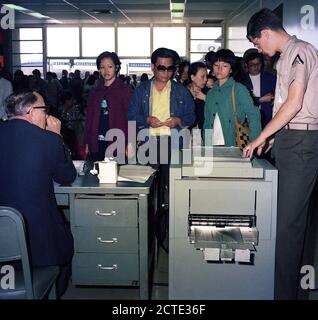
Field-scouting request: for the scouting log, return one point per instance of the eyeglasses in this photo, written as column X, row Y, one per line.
column 253, row 65
column 162, row 68
column 46, row 109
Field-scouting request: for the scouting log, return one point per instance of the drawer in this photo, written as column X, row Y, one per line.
column 62, row 199
column 222, row 201
column 105, row 212
column 105, row 269
column 106, row 240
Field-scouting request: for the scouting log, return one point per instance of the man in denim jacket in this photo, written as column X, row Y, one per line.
column 160, row 105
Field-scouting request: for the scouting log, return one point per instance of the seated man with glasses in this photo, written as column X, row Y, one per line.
column 32, row 156
column 159, row 105
column 261, row 85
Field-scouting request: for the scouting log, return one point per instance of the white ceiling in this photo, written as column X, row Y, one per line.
column 125, row 11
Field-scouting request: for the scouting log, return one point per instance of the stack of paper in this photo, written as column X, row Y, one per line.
column 135, row 173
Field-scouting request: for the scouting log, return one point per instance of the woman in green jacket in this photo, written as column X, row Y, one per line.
column 218, row 110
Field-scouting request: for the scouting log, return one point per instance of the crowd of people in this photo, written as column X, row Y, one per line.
column 75, row 101
column 180, row 95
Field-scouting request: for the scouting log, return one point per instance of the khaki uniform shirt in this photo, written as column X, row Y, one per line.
column 298, row 62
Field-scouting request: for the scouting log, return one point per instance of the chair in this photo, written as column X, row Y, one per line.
column 29, row 283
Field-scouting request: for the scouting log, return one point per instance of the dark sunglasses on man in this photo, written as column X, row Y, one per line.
column 162, row 68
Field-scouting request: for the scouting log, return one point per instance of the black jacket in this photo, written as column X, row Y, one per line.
column 30, row 159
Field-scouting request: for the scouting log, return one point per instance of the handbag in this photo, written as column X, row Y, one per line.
column 241, row 129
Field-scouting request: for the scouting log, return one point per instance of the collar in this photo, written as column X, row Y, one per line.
column 167, row 87
column 228, row 83
column 20, row 118
column 116, row 84
column 292, row 40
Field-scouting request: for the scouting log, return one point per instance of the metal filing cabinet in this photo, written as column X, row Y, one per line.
column 112, row 230
column 105, row 232
column 222, row 227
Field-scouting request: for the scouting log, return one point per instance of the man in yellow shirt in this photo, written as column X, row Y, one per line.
column 160, row 105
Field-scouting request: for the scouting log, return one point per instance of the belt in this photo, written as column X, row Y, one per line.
column 301, row 126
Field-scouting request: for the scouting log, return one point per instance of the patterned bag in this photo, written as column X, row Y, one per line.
column 241, row 129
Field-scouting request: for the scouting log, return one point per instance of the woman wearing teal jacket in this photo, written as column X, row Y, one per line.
column 218, row 110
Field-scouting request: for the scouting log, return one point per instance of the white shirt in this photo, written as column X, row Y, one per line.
column 218, row 138
column 5, row 91
column 256, row 82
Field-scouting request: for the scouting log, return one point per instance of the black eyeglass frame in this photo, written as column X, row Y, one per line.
column 46, row 109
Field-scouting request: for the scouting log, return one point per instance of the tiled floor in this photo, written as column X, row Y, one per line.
column 159, row 286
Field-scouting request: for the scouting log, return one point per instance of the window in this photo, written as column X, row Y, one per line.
column 195, row 57
column 27, row 49
column 134, row 42
column 28, row 34
column 97, row 40
column 69, row 47
column 84, row 65
column 237, row 41
column 170, row 37
column 202, row 40
column 206, row 33
column 57, row 65
column 205, row 45
column 136, row 66
column 27, row 59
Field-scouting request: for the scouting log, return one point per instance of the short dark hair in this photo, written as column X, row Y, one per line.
column 225, row 55
column 66, row 95
column 194, row 68
column 164, row 53
column 262, row 20
column 109, row 55
column 183, row 65
column 252, row 56
column 209, row 56
column 18, row 102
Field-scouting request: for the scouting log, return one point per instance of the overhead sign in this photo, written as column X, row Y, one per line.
column 139, row 65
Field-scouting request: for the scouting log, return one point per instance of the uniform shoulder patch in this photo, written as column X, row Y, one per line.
column 297, row 60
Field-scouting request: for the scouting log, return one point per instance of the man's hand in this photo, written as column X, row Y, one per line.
column 86, row 150
column 172, row 122
column 267, row 98
column 258, row 144
column 269, row 144
column 200, row 95
column 53, row 124
column 130, row 150
column 154, row 122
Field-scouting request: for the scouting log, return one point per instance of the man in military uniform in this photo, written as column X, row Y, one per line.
column 294, row 127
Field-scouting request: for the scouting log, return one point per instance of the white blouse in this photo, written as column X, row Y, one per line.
column 218, row 138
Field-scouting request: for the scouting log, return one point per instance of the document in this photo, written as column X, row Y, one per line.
column 135, row 173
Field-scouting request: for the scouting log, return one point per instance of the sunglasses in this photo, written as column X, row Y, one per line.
column 161, row 68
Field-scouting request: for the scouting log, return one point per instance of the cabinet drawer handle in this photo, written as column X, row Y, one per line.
column 105, row 214
column 114, row 267
column 114, row 240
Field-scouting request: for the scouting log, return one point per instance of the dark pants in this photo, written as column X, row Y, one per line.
column 100, row 154
column 63, row 279
column 296, row 155
column 162, row 145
